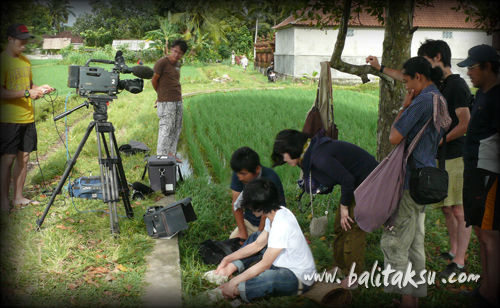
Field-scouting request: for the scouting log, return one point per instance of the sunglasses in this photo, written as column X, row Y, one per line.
column 472, row 66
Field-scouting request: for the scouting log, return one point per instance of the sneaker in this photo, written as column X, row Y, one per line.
column 446, row 256
column 485, row 303
column 451, row 268
column 471, row 294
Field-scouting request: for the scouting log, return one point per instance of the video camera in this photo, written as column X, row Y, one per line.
column 96, row 81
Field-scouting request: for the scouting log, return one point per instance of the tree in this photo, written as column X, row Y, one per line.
column 59, row 12
column 397, row 17
column 160, row 37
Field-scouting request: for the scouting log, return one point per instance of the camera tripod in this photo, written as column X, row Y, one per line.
column 113, row 181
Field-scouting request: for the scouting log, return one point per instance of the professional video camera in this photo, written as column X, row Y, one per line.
column 92, row 81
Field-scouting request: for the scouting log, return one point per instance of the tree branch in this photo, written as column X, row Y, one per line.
column 336, row 62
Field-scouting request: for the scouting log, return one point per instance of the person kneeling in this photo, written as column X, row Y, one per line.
column 274, row 261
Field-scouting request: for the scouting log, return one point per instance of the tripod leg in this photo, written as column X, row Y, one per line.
column 107, row 178
column 65, row 175
column 122, row 180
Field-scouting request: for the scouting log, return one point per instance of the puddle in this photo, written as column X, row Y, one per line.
column 182, row 154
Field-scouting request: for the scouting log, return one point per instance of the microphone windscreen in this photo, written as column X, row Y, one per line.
column 142, row 188
column 143, row 71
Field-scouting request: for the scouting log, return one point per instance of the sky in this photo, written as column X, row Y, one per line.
column 79, row 7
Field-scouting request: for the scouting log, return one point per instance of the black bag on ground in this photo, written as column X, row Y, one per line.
column 212, row 252
column 134, row 147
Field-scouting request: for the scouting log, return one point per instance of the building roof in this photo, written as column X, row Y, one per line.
column 439, row 15
column 66, row 34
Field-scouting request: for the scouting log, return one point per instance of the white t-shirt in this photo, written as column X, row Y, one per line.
column 285, row 233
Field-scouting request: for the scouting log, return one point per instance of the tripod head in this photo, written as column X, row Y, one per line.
column 100, row 103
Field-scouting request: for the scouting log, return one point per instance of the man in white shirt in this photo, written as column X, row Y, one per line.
column 281, row 251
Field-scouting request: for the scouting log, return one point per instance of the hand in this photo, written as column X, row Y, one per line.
column 229, row 289
column 222, row 265
column 46, row 88
column 373, row 61
column 344, row 217
column 36, row 93
column 408, row 99
column 156, row 103
column 243, row 235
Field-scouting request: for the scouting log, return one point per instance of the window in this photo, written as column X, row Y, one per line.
column 447, row 34
column 350, row 32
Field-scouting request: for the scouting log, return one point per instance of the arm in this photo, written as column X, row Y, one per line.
column 248, row 250
column 238, row 216
column 394, row 74
column 395, row 137
column 463, row 115
column 35, row 92
column 154, row 81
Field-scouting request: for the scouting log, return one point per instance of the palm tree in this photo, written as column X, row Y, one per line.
column 59, row 12
column 202, row 17
column 160, row 37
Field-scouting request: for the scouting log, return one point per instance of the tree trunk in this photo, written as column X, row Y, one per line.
column 396, row 51
column 256, row 31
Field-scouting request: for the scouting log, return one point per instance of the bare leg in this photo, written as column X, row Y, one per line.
column 227, row 271
column 463, row 234
column 451, row 225
column 5, row 175
column 19, row 177
column 490, row 241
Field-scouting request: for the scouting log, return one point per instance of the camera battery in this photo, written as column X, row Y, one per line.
column 162, row 173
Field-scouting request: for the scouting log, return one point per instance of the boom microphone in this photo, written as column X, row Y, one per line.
column 143, row 71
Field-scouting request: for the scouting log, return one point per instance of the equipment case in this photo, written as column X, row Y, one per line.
column 162, row 173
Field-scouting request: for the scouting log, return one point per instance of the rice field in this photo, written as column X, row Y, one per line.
column 215, row 125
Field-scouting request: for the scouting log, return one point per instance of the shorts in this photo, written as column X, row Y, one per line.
column 481, row 203
column 248, row 225
column 455, row 169
column 17, row 137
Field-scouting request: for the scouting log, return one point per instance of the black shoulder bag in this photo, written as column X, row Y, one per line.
column 429, row 185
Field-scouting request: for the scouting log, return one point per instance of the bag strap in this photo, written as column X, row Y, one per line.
column 413, row 144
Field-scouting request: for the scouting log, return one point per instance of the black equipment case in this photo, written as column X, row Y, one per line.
column 162, row 173
column 166, row 221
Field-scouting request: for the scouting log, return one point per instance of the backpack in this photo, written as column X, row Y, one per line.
column 212, row 251
column 86, row 187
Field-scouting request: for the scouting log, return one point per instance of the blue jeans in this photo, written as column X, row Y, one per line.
column 276, row 281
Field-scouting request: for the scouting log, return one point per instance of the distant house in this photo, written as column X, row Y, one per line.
column 299, row 48
column 134, row 45
column 61, row 40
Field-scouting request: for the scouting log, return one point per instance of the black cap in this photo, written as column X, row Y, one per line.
column 480, row 53
column 19, row 31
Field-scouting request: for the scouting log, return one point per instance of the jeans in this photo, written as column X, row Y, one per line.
column 276, row 281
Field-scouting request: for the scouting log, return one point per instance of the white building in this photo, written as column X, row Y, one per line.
column 300, row 48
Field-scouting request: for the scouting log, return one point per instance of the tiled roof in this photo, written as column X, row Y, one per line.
column 438, row 15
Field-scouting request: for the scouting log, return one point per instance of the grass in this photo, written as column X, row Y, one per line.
column 253, row 118
column 75, row 261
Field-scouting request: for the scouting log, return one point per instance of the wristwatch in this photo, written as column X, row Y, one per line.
column 26, row 93
column 402, row 109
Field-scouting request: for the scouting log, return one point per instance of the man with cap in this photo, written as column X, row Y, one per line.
column 17, row 122
column 482, row 167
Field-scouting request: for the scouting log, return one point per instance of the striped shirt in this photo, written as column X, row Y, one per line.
column 411, row 122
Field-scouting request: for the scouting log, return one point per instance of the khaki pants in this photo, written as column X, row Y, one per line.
column 349, row 246
column 404, row 244
column 250, row 229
